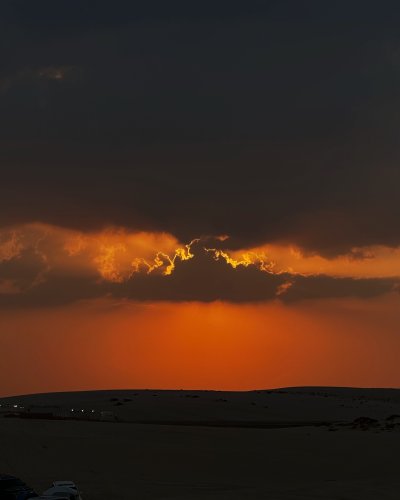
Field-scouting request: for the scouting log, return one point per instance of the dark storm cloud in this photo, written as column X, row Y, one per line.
column 199, row 279
column 23, row 272
column 262, row 120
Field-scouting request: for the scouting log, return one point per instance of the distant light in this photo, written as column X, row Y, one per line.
column 72, row 409
column 82, row 410
column 15, row 406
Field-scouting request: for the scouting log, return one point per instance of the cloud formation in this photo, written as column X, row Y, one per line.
column 45, row 265
column 273, row 123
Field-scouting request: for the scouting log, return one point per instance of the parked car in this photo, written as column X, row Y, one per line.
column 12, row 488
column 62, row 491
column 51, row 497
column 67, row 484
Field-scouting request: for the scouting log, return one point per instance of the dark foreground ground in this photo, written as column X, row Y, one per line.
column 145, row 461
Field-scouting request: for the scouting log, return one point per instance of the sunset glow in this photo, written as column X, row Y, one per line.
column 117, row 254
column 200, row 346
column 117, row 342
column 222, row 181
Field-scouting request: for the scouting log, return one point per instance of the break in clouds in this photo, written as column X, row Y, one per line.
column 48, row 266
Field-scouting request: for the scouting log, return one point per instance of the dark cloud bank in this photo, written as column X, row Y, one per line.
column 199, row 279
column 266, row 121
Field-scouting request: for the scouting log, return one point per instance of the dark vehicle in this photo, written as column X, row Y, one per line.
column 12, row 488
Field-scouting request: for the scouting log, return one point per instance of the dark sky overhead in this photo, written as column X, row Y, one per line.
column 265, row 120
column 184, row 152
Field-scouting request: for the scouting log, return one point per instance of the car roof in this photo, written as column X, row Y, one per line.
column 52, row 497
column 60, row 490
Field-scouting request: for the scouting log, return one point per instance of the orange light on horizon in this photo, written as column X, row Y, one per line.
column 105, row 344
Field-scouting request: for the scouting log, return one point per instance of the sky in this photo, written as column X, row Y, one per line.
column 199, row 194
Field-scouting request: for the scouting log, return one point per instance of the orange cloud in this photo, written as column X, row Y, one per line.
column 10, row 246
column 116, row 256
column 365, row 262
column 244, row 259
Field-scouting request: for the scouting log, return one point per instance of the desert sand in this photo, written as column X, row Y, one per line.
column 296, row 443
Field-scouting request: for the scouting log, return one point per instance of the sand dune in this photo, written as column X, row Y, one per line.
column 287, row 404
column 126, row 460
